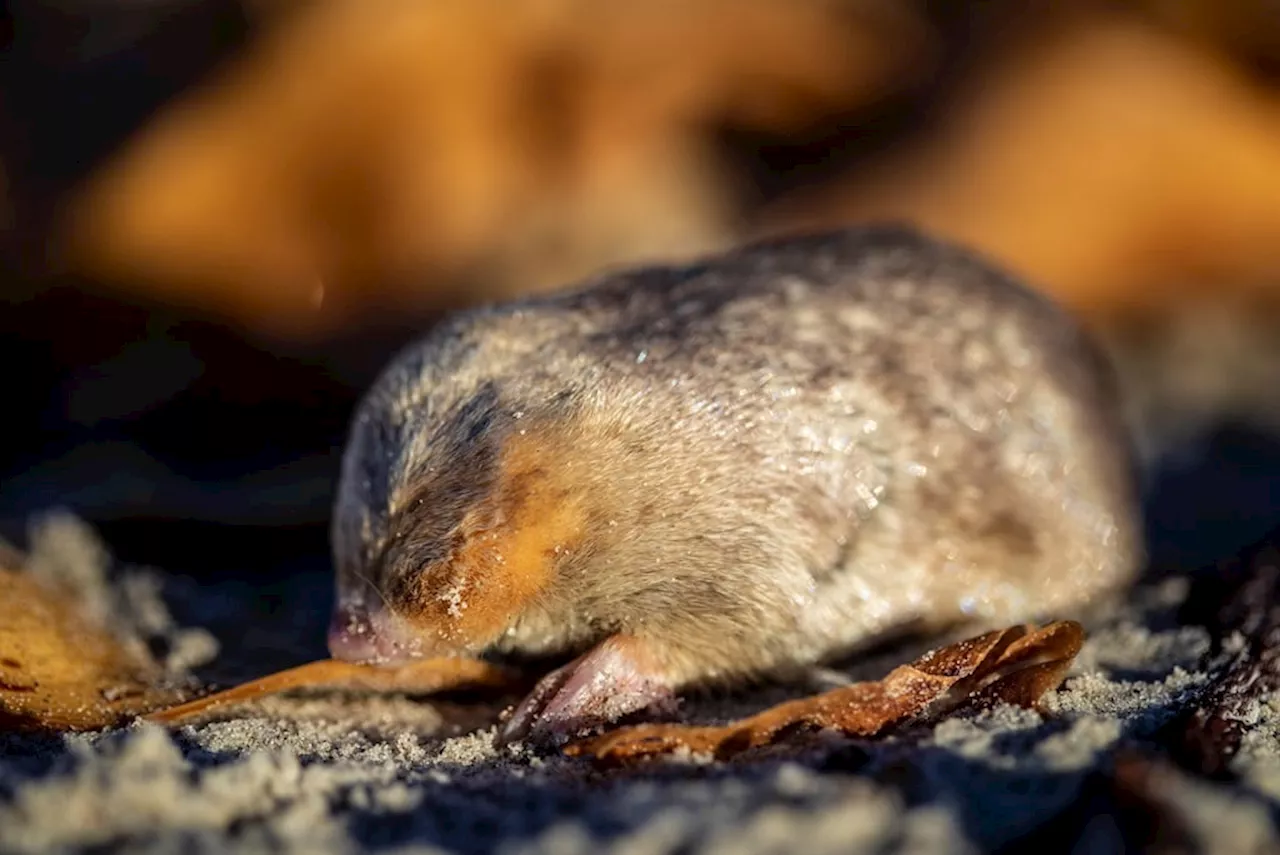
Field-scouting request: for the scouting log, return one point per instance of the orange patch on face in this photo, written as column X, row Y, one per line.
column 511, row 542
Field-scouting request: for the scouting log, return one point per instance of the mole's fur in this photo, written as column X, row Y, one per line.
column 735, row 468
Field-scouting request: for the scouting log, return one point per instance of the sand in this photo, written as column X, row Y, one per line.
column 346, row 773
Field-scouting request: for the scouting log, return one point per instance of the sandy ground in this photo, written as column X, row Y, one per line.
column 342, row 773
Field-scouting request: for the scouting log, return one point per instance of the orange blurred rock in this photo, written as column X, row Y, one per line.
column 382, row 154
column 1123, row 169
column 1249, row 29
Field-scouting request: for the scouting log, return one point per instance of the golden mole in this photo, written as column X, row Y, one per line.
column 733, row 469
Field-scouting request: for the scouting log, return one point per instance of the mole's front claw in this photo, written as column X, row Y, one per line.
column 617, row 677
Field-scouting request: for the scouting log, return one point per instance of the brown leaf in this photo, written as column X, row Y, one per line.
column 422, row 677
column 59, row 671
column 1014, row 665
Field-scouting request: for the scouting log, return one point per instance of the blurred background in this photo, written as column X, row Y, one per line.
column 219, row 218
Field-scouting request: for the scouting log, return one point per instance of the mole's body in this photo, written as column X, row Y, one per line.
column 732, row 469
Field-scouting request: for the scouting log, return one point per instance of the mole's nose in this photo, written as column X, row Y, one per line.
column 360, row 634
column 351, row 634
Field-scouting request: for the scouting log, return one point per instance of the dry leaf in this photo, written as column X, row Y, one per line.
column 422, row 677
column 58, row 671
column 1014, row 665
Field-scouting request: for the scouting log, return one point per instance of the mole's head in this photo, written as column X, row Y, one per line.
column 477, row 529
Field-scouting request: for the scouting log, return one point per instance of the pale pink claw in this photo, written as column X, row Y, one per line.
column 613, row 679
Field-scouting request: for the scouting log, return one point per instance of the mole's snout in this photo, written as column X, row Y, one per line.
column 358, row 633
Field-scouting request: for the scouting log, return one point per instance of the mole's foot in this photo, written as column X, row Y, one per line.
column 617, row 677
